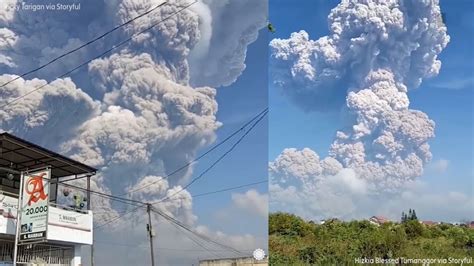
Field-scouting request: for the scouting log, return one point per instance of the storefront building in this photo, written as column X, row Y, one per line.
column 69, row 226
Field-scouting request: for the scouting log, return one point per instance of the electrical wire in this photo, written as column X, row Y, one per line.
column 109, row 196
column 216, row 161
column 204, row 154
column 205, row 238
column 228, row 189
column 258, row 117
column 100, row 55
column 83, row 45
column 185, row 233
column 120, row 244
column 117, row 218
column 143, row 245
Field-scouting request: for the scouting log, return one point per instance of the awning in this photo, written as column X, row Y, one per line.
column 20, row 155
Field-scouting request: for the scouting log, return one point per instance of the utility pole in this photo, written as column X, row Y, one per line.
column 89, row 200
column 92, row 253
column 149, row 228
column 18, row 218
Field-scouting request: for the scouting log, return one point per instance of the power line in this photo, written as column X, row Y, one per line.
column 205, row 238
column 177, row 224
column 116, row 218
column 204, row 154
column 143, row 245
column 228, row 189
column 83, row 45
column 257, row 117
column 98, row 56
column 109, row 196
column 132, row 202
column 216, row 161
column 123, row 200
column 120, row 244
column 185, row 233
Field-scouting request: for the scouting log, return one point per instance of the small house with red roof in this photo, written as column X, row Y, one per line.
column 378, row 220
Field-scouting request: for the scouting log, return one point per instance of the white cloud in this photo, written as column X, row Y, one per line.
column 252, row 201
column 304, row 164
column 332, row 196
column 447, row 206
column 347, row 196
column 439, row 166
column 327, row 194
column 458, row 83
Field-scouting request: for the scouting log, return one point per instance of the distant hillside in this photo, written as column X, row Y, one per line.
column 294, row 241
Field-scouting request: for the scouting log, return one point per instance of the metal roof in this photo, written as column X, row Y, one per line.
column 21, row 155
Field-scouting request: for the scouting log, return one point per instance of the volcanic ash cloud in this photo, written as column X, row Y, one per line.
column 138, row 113
column 375, row 52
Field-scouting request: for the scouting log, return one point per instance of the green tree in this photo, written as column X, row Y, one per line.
column 413, row 229
column 404, row 217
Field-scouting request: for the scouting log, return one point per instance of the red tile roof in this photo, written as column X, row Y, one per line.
column 428, row 222
column 379, row 219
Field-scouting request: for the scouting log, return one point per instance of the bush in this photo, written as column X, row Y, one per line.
column 413, row 229
column 288, row 224
column 308, row 255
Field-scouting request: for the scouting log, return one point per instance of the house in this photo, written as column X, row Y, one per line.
column 244, row 261
column 471, row 224
column 378, row 220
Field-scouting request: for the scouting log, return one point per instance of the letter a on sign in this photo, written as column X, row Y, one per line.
column 35, row 189
column 34, row 205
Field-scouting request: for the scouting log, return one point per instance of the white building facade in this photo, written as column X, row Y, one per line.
column 69, row 227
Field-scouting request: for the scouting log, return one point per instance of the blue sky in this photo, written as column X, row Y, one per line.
column 447, row 98
column 290, row 126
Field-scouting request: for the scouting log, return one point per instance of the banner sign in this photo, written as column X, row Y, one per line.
column 70, row 219
column 34, row 205
column 8, row 206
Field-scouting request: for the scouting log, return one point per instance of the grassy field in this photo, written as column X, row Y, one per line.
column 294, row 241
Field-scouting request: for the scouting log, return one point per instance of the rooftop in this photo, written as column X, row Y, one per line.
column 379, row 219
column 20, row 155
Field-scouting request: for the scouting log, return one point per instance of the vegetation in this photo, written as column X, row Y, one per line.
column 294, row 241
column 410, row 216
